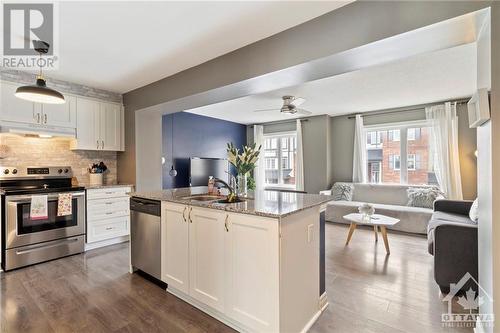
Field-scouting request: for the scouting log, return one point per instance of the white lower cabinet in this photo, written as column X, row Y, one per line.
column 252, row 271
column 207, row 249
column 226, row 261
column 108, row 214
column 175, row 246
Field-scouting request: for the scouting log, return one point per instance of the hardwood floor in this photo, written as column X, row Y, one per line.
column 93, row 292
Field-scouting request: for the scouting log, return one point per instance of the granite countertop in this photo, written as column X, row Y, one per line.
column 96, row 187
column 262, row 203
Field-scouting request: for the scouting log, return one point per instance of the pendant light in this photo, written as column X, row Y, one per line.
column 172, row 171
column 39, row 92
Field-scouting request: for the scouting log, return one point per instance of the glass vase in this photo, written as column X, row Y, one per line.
column 241, row 184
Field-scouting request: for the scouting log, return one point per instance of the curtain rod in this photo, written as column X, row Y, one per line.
column 414, row 108
column 282, row 121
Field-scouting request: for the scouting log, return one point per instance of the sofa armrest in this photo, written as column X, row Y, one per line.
column 461, row 207
column 455, row 253
column 326, row 192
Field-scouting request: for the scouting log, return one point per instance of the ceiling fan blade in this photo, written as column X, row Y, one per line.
column 297, row 101
column 266, row 110
column 303, row 112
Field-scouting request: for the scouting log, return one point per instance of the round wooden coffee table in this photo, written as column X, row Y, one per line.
column 377, row 221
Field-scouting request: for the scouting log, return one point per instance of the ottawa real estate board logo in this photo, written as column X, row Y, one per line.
column 24, row 23
column 466, row 301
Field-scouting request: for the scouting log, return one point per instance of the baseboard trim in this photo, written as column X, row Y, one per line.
column 323, row 302
column 107, row 242
column 211, row 312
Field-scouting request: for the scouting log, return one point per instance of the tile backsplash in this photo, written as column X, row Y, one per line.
column 22, row 151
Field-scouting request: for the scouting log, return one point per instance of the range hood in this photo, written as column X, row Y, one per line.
column 35, row 129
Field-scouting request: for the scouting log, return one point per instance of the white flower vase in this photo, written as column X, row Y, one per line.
column 96, row 179
column 367, row 210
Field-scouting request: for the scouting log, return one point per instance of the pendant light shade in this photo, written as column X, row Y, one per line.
column 40, row 93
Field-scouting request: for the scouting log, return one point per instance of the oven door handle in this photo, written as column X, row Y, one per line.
column 39, row 247
column 19, row 199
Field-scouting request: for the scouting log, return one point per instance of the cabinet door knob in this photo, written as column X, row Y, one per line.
column 97, row 144
column 102, row 144
column 226, row 224
column 38, row 118
column 45, row 118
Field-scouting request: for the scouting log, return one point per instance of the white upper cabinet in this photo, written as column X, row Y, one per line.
column 60, row 115
column 110, row 126
column 16, row 109
column 98, row 126
column 87, row 128
column 21, row 111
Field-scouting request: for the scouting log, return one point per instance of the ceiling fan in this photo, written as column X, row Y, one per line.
column 290, row 106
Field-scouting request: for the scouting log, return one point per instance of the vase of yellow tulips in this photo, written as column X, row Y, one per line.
column 244, row 163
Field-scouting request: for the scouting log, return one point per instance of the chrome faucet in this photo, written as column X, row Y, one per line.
column 229, row 187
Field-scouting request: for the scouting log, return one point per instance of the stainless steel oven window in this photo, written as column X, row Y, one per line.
column 26, row 225
column 15, row 236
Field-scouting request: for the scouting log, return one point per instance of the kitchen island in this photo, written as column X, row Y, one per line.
column 254, row 265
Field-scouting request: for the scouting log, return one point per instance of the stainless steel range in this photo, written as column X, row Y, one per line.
column 27, row 240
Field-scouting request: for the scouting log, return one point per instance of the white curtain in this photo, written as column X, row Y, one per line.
column 443, row 122
column 259, row 171
column 299, row 159
column 359, row 159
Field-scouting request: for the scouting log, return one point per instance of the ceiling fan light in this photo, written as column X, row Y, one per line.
column 40, row 93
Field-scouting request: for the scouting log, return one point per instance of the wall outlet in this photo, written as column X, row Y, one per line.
column 310, row 233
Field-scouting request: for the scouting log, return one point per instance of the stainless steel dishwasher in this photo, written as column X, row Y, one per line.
column 145, row 239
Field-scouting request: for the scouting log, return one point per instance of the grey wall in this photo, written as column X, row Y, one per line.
column 342, row 145
column 254, row 68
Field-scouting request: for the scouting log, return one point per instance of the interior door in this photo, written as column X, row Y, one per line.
column 61, row 115
column 174, row 246
column 252, row 272
column 206, row 256
column 87, row 124
column 13, row 108
column 110, row 126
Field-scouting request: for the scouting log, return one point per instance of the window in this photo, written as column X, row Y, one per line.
column 386, row 151
column 279, row 154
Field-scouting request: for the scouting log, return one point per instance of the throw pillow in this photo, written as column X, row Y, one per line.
column 474, row 213
column 423, row 196
column 342, row 191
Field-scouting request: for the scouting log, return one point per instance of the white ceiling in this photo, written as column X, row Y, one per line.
column 120, row 46
column 425, row 78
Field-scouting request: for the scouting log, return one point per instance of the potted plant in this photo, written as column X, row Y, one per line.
column 244, row 164
column 96, row 172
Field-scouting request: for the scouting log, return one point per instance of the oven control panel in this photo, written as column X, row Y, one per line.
column 38, row 171
column 35, row 172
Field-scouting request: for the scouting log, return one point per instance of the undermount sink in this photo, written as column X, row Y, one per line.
column 202, row 197
column 225, row 201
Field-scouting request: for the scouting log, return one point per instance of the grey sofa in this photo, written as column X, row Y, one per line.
column 452, row 240
column 390, row 200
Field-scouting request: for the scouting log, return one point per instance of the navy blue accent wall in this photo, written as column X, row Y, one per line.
column 195, row 136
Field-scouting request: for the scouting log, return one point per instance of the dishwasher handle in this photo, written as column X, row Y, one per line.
column 151, row 207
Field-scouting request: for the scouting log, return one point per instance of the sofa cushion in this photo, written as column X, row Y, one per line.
column 423, row 196
column 342, row 191
column 443, row 218
column 412, row 219
column 390, row 194
column 474, row 213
